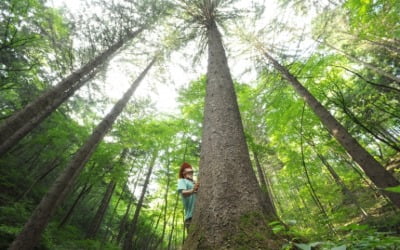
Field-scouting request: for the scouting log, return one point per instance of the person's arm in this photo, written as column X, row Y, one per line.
column 188, row 192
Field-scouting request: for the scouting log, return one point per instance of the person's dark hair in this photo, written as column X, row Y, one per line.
column 184, row 166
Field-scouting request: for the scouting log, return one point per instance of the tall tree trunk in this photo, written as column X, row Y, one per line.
column 40, row 115
column 133, row 225
column 230, row 199
column 373, row 169
column 21, row 123
column 30, row 234
column 101, row 211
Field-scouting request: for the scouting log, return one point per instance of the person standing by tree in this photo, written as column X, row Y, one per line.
column 188, row 189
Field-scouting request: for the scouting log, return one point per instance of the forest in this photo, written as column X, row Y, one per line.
column 288, row 111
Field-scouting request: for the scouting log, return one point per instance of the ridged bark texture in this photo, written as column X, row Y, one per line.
column 372, row 168
column 30, row 234
column 231, row 211
column 14, row 128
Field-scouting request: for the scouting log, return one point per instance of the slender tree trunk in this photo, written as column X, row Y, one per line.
column 263, row 183
column 153, row 232
column 101, row 211
column 164, row 210
column 345, row 190
column 384, row 137
column 270, row 190
column 165, row 204
column 30, row 234
column 373, row 169
column 173, row 222
column 51, row 166
column 122, row 225
column 261, row 177
column 109, row 223
column 379, row 86
column 229, row 193
column 310, row 186
column 367, row 65
column 133, row 225
column 85, row 190
column 21, row 123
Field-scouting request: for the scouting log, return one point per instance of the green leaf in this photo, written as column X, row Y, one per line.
column 303, row 246
column 342, row 247
column 393, row 189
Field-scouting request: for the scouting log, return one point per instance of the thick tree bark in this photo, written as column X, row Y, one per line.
column 21, row 123
column 230, row 207
column 101, row 211
column 30, row 234
column 133, row 225
column 373, row 169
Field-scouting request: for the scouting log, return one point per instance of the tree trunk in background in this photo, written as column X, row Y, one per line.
column 30, row 234
column 101, row 211
column 261, row 177
column 264, row 184
column 345, row 191
column 21, row 123
column 85, row 190
column 153, row 231
column 230, row 205
column 165, row 204
column 122, row 225
column 133, row 225
column 49, row 168
column 373, row 169
column 367, row 65
column 41, row 115
column 173, row 222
